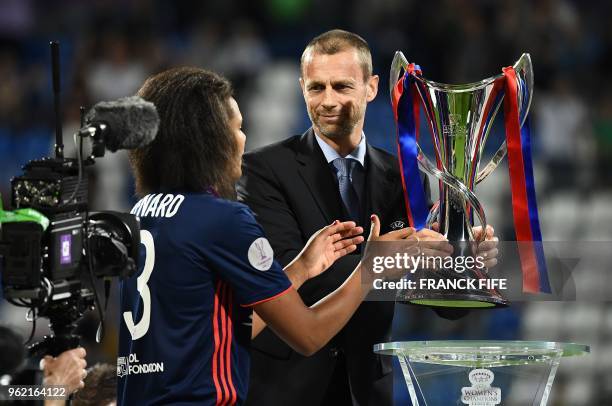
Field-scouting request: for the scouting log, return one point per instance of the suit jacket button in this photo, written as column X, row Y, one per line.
column 333, row 352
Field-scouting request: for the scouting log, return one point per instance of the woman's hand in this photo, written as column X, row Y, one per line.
column 327, row 245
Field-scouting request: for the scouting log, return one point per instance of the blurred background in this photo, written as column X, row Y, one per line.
column 109, row 47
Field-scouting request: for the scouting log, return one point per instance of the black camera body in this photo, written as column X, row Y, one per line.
column 52, row 271
column 27, row 249
column 32, row 258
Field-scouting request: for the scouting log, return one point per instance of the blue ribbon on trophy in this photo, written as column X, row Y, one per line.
column 407, row 138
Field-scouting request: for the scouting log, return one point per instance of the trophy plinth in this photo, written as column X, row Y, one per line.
column 479, row 373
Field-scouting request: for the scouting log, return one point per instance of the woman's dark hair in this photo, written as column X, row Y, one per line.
column 100, row 386
column 194, row 148
column 12, row 352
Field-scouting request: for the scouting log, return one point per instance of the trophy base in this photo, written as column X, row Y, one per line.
column 471, row 304
column 479, row 373
column 458, row 301
column 452, row 299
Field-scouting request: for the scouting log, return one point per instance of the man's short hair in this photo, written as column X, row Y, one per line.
column 100, row 386
column 335, row 41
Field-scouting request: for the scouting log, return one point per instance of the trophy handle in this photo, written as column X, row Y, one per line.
column 398, row 64
column 492, row 164
column 524, row 75
column 426, row 165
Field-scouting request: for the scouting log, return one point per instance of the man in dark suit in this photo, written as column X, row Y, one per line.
column 298, row 185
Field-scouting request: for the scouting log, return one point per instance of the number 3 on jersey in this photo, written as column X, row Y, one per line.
column 139, row 330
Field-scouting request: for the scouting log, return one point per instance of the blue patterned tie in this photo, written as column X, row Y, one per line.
column 344, row 171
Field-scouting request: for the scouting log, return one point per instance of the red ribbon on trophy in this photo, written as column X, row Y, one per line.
column 524, row 205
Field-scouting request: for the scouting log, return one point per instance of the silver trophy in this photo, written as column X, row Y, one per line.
column 461, row 117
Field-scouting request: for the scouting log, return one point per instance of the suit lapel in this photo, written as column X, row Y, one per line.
column 318, row 177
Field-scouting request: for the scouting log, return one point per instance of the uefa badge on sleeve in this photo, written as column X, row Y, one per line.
column 260, row 254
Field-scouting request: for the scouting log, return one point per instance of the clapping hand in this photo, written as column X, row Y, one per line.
column 328, row 244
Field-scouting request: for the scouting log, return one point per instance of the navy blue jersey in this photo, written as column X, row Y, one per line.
column 186, row 316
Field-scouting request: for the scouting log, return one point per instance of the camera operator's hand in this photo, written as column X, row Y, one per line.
column 67, row 369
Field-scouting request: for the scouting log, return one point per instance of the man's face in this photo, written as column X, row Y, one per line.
column 335, row 92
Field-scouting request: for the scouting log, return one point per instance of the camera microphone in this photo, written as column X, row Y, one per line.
column 126, row 123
